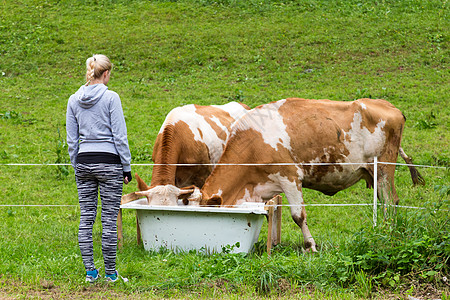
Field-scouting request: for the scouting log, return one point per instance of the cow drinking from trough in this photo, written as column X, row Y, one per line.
column 287, row 143
column 190, row 134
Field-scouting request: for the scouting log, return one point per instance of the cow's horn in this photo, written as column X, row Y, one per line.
column 183, row 192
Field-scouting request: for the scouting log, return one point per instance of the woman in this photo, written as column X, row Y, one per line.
column 99, row 152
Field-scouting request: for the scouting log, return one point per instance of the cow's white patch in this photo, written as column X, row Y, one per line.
column 216, row 120
column 267, row 190
column 301, row 173
column 196, row 196
column 164, row 195
column 363, row 106
column 361, row 143
column 246, row 198
column 289, row 188
column 219, row 193
column 201, row 129
column 275, row 185
column 225, row 130
column 233, row 108
column 269, row 122
column 194, row 199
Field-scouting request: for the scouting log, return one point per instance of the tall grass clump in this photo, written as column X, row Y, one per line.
column 61, row 149
column 413, row 246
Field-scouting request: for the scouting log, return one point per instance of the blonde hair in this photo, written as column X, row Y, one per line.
column 96, row 66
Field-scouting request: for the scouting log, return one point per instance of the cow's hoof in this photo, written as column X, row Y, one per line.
column 310, row 247
column 311, row 250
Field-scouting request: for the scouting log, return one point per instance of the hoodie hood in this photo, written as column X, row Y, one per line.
column 88, row 96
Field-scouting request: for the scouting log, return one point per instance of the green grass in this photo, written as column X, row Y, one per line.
column 170, row 53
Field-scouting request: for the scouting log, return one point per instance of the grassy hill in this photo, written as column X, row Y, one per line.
column 170, row 53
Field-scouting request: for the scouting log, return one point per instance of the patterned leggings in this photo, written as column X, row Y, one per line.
column 90, row 178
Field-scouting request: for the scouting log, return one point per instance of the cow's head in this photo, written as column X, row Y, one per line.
column 165, row 195
column 169, row 195
column 198, row 198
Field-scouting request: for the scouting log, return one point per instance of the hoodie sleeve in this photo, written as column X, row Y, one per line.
column 119, row 131
column 73, row 135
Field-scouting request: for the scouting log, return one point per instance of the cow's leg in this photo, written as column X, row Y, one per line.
column 294, row 195
column 387, row 194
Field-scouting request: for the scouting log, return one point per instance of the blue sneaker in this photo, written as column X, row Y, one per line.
column 92, row 276
column 114, row 277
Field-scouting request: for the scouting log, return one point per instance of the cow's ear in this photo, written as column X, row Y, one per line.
column 184, row 195
column 214, row 201
column 142, row 186
column 144, row 194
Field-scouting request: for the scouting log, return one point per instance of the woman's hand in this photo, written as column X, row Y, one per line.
column 127, row 177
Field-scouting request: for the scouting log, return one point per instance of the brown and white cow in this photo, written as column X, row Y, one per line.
column 279, row 142
column 191, row 134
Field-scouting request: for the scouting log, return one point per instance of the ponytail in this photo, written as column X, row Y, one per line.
column 96, row 66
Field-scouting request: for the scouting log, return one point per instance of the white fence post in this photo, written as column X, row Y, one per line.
column 375, row 190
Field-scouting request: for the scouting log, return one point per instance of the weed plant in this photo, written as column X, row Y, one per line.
column 414, row 244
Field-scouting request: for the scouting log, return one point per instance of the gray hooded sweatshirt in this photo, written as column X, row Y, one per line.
column 95, row 123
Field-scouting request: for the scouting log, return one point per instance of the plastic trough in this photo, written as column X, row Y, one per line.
column 206, row 229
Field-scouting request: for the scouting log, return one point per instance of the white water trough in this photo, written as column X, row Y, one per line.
column 206, row 229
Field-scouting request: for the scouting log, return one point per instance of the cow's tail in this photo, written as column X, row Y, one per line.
column 415, row 175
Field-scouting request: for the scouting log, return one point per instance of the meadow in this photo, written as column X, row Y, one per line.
column 171, row 53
